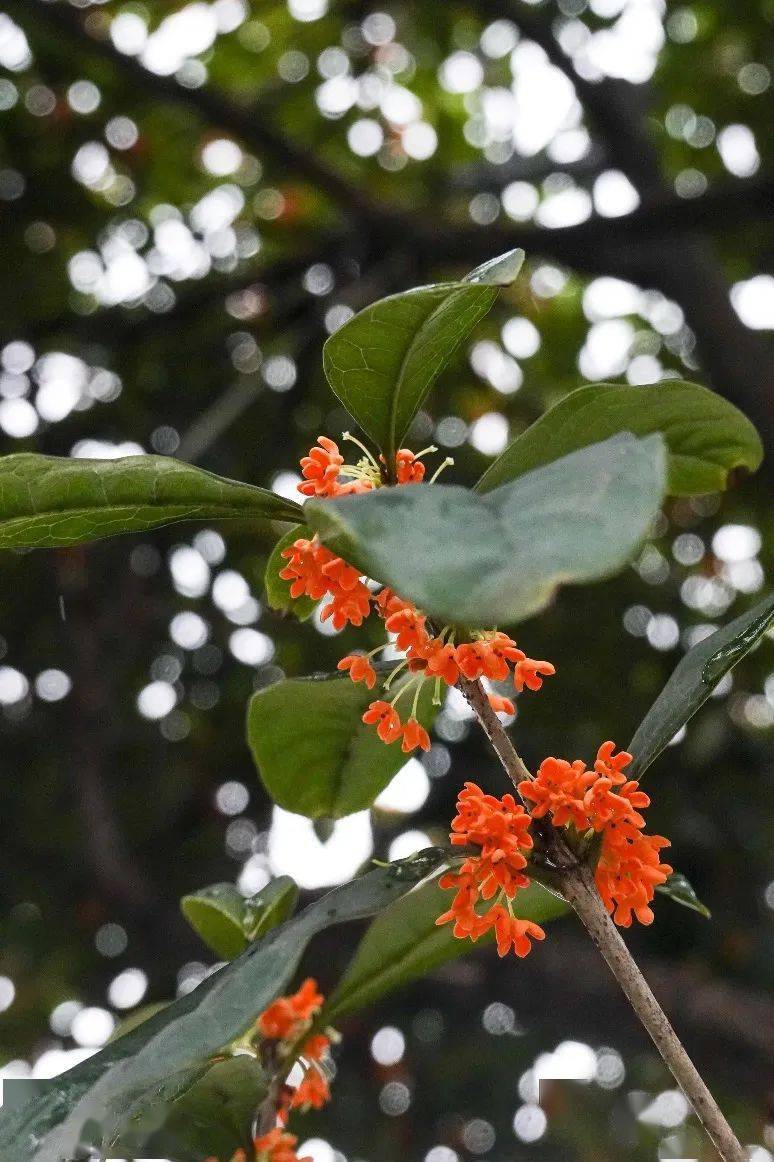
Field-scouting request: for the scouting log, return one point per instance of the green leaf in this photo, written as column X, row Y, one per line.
column 48, row 501
column 217, row 914
column 227, row 921
column 159, row 1061
column 383, row 362
column 273, row 905
column 497, row 559
column 277, row 590
column 212, row 1118
column 315, row 755
column 707, row 438
column 693, row 680
column 404, row 943
column 499, row 271
column 680, row 889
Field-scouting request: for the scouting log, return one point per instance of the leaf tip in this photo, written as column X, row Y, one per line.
column 500, row 271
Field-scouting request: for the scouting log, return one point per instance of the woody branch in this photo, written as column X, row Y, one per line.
column 577, row 886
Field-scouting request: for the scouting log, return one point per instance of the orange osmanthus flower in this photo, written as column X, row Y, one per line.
column 414, row 735
column 555, row 791
column 527, row 673
column 501, row 705
column 353, row 605
column 321, row 468
column 500, row 828
column 313, row 1091
column 278, row 1146
column 304, row 570
column 409, row 626
column 360, row 669
column 604, row 801
column 628, row 872
column 315, row 1047
column 440, row 661
column 315, row 571
column 386, row 720
column 284, row 1018
column 408, row 468
column 488, row 656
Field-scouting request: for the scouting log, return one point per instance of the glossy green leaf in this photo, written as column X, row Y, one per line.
column 217, row 914
column 707, row 438
column 693, row 681
column 680, row 889
column 47, row 501
column 383, row 362
column 227, row 921
column 404, row 943
column 315, row 755
column 158, row 1062
column 277, row 590
column 497, row 559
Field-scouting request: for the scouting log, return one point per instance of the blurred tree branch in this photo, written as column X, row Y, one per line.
column 247, row 122
column 639, row 246
column 740, row 364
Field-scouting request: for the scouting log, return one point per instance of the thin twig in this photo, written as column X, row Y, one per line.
column 495, row 731
column 578, row 888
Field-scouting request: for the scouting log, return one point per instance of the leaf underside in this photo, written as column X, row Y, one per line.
column 498, row 559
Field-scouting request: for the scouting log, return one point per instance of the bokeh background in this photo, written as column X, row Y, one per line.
column 192, row 197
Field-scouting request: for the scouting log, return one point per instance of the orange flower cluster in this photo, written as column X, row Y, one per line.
column 278, row 1146
column 603, row 800
column 324, row 468
column 429, row 656
column 316, row 572
column 286, row 1020
column 500, row 827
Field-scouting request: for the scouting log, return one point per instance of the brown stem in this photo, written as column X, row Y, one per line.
column 266, row 1117
column 579, row 889
column 495, row 731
